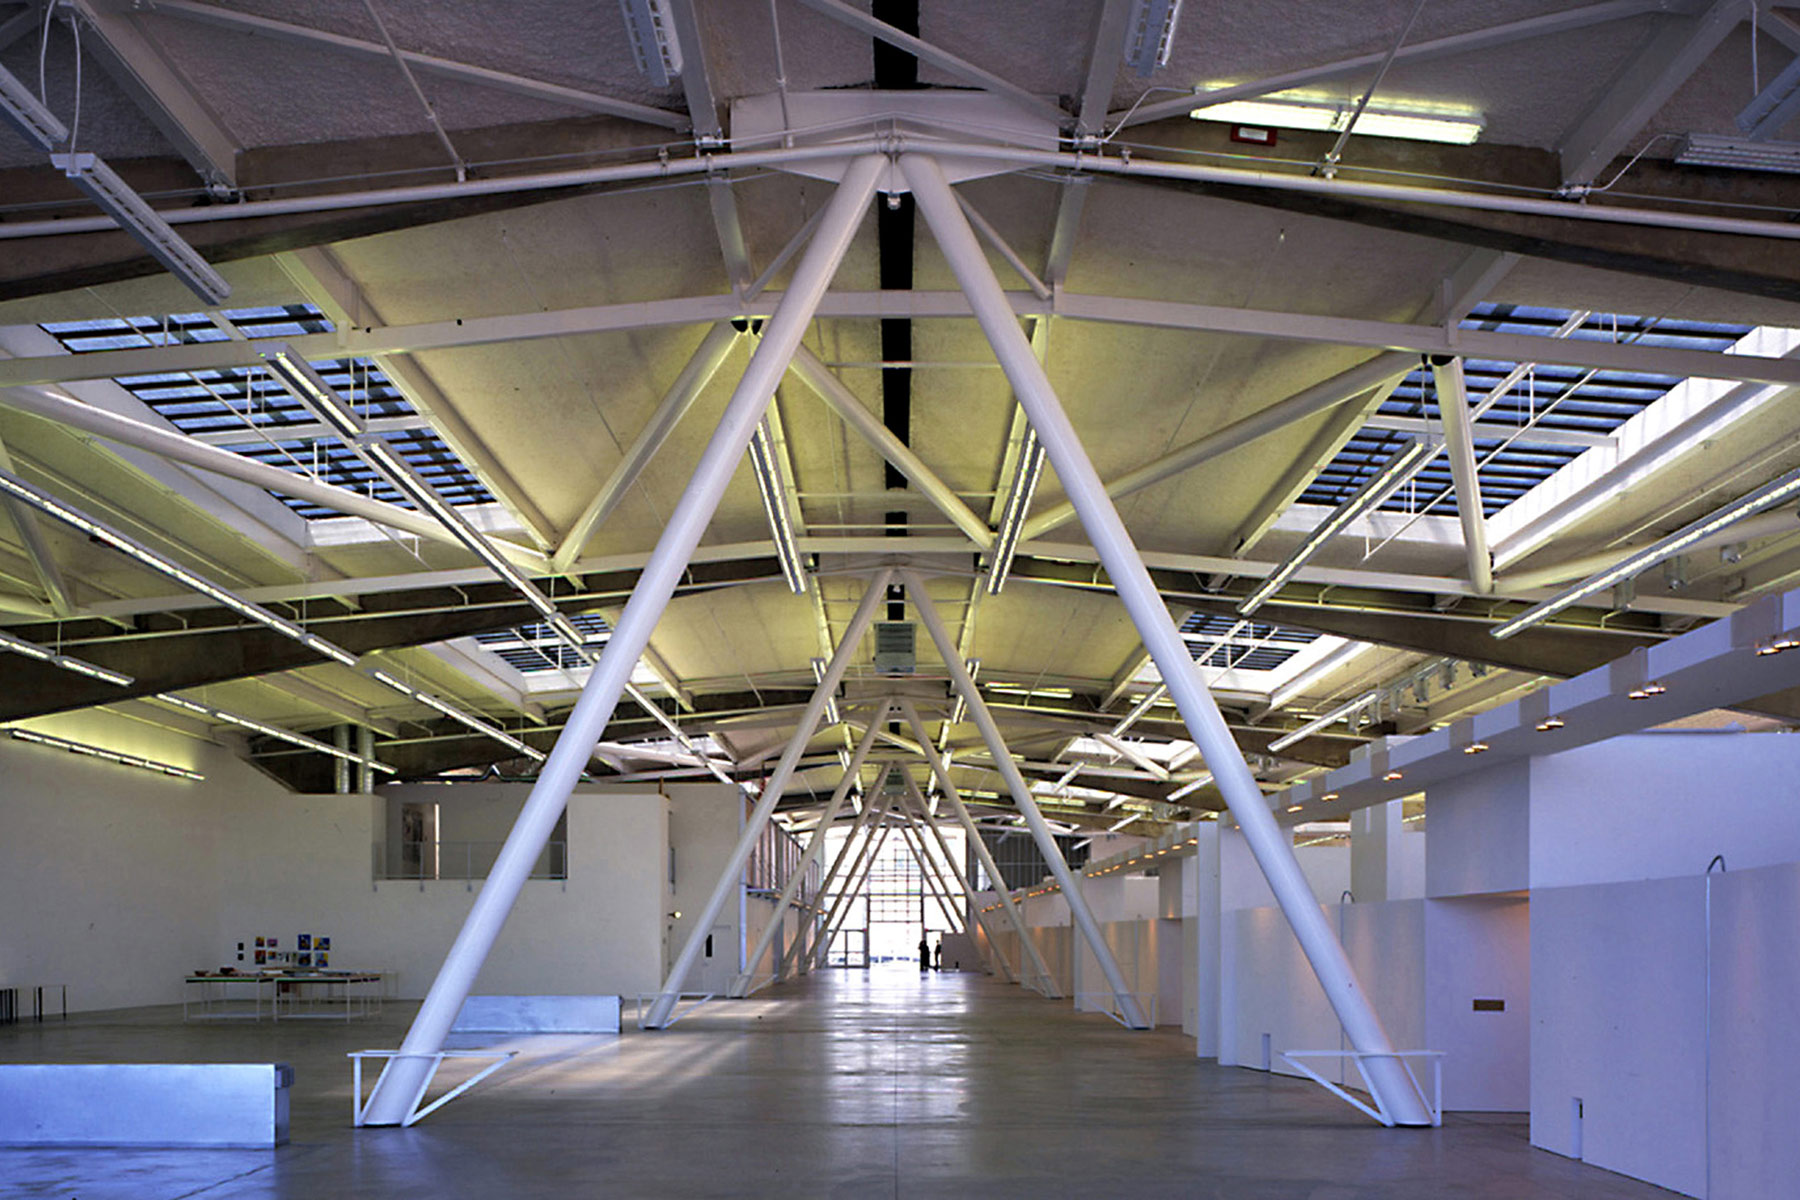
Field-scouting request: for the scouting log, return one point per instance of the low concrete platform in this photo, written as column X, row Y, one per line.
column 885, row 1083
column 538, row 1014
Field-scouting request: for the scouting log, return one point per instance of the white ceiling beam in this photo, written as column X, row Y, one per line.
column 1105, row 52
column 1546, row 26
column 1465, row 478
column 942, row 59
column 1407, row 338
column 37, row 549
column 137, row 64
column 1643, row 86
column 517, row 85
column 490, row 673
column 300, row 431
column 27, row 22
column 1537, row 435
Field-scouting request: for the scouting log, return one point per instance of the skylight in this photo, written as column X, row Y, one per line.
column 247, row 411
column 534, row 649
column 1231, row 644
column 1531, row 429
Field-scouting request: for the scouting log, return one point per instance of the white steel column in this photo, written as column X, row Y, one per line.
column 1130, row 1011
column 1028, row 951
column 1001, row 966
column 794, row 953
column 1459, row 446
column 741, row 986
column 404, row 1080
column 732, row 877
column 1274, row 852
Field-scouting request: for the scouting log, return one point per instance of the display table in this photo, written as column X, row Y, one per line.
column 292, row 995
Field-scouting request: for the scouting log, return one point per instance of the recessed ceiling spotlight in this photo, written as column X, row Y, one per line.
column 1328, row 797
column 1392, row 776
column 1475, row 747
column 1295, row 807
column 1552, row 723
column 1645, row 692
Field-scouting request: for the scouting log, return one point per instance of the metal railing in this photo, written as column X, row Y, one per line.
column 421, row 861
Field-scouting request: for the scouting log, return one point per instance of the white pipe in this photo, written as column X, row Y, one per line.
column 814, row 845
column 1029, row 955
column 1273, row 851
column 657, row 1016
column 405, row 1077
column 1130, row 1011
column 711, row 163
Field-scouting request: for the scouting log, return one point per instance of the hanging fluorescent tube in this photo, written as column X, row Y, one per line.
column 89, row 173
column 1741, row 153
column 66, row 662
column 1190, row 787
column 1373, row 493
column 1326, row 117
column 774, row 502
column 1767, row 496
column 1150, row 34
column 275, row 731
column 309, row 387
column 1317, row 723
column 456, row 714
column 1012, row 517
column 113, row 756
column 831, row 704
column 1325, row 666
column 45, row 503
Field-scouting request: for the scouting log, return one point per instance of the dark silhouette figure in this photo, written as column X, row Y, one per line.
column 938, row 956
column 924, row 955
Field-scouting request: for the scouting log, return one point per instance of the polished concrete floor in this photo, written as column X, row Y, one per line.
column 863, row 1084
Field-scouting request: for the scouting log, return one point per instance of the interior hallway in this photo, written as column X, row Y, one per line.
column 855, row 1084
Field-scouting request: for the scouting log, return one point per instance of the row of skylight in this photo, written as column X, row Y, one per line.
column 220, row 401
column 1546, row 401
column 535, row 648
column 1227, row 643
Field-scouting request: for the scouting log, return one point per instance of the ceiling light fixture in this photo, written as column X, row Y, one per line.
column 1328, row 797
column 1328, row 117
column 1150, row 32
column 1741, row 153
column 1190, row 787
column 456, row 714
column 1751, row 503
column 650, row 29
column 275, row 731
column 1317, row 723
column 1646, row 691
column 1475, row 748
column 66, row 662
column 774, row 501
column 116, row 197
column 1373, row 493
column 113, row 756
column 1394, row 776
column 45, row 503
column 1012, row 517
column 1545, row 726
column 1294, row 808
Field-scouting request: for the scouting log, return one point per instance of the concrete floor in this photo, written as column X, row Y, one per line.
column 859, row 1084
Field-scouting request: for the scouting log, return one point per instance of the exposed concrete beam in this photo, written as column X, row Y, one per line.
column 300, row 688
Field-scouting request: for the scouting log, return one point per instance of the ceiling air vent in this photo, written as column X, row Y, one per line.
column 894, row 648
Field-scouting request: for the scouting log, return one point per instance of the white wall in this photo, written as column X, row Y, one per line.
column 1480, row 832
column 106, row 872
column 1479, row 948
column 292, row 864
column 1655, row 805
column 705, row 820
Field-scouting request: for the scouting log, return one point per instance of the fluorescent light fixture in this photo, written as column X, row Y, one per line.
column 1767, row 496
column 1328, row 117
column 1317, row 723
column 650, row 29
column 309, row 387
column 113, row 756
column 831, row 704
column 774, row 501
column 12, row 485
column 26, row 113
column 1012, row 516
column 1190, row 787
column 65, row 661
column 1149, row 33
column 1332, row 661
column 1373, row 493
column 275, row 731
column 89, row 173
column 1740, row 153
column 456, row 714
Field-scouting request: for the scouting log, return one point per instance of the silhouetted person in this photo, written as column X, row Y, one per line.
column 924, row 955
column 938, row 955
